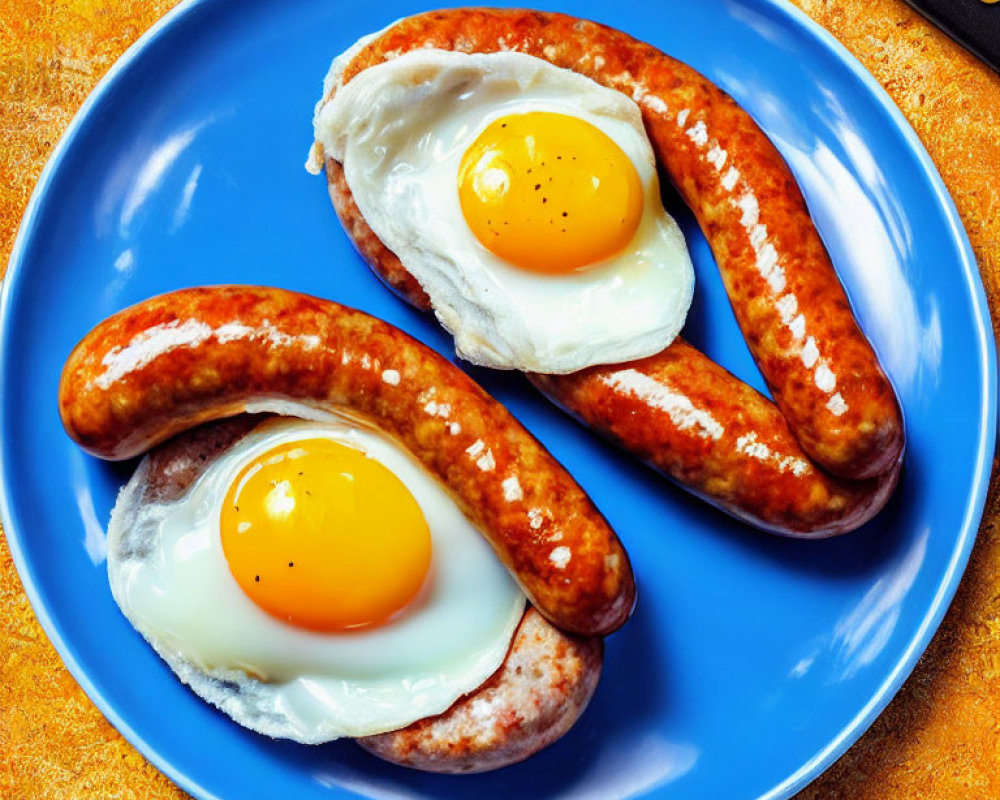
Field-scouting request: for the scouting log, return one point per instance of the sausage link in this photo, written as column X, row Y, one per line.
column 539, row 692
column 756, row 470
column 690, row 419
column 743, row 459
column 793, row 312
column 184, row 358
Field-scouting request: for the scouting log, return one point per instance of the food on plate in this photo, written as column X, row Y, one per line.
column 523, row 198
column 344, row 548
column 194, row 355
column 688, row 418
column 308, row 647
column 826, row 380
column 542, row 688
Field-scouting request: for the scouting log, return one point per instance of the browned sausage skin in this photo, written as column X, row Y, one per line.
column 174, row 361
column 690, row 419
column 788, row 301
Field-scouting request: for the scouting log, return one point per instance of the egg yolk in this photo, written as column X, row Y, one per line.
column 318, row 534
column 549, row 192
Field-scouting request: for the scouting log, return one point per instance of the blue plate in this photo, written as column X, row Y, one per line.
column 752, row 662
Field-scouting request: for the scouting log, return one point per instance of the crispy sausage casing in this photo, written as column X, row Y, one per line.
column 693, row 421
column 793, row 311
column 195, row 355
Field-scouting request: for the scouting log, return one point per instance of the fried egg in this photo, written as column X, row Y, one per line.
column 313, row 582
column 523, row 198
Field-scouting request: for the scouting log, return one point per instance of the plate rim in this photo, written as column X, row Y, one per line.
column 934, row 614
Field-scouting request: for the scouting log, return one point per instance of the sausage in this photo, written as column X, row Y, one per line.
column 794, row 314
column 184, row 358
column 754, row 469
column 537, row 695
column 690, row 419
column 742, row 457
column 541, row 688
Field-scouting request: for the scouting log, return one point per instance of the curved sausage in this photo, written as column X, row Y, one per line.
column 537, row 695
column 690, row 419
column 754, row 469
column 180, row 359
column 685, row 416
column 793, row 312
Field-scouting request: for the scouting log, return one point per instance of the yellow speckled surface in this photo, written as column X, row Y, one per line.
column 940, row 737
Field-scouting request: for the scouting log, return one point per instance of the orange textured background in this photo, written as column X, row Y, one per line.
column 940, row 737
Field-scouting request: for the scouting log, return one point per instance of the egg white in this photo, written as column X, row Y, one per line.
column 169, row 575
column 400, row 130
